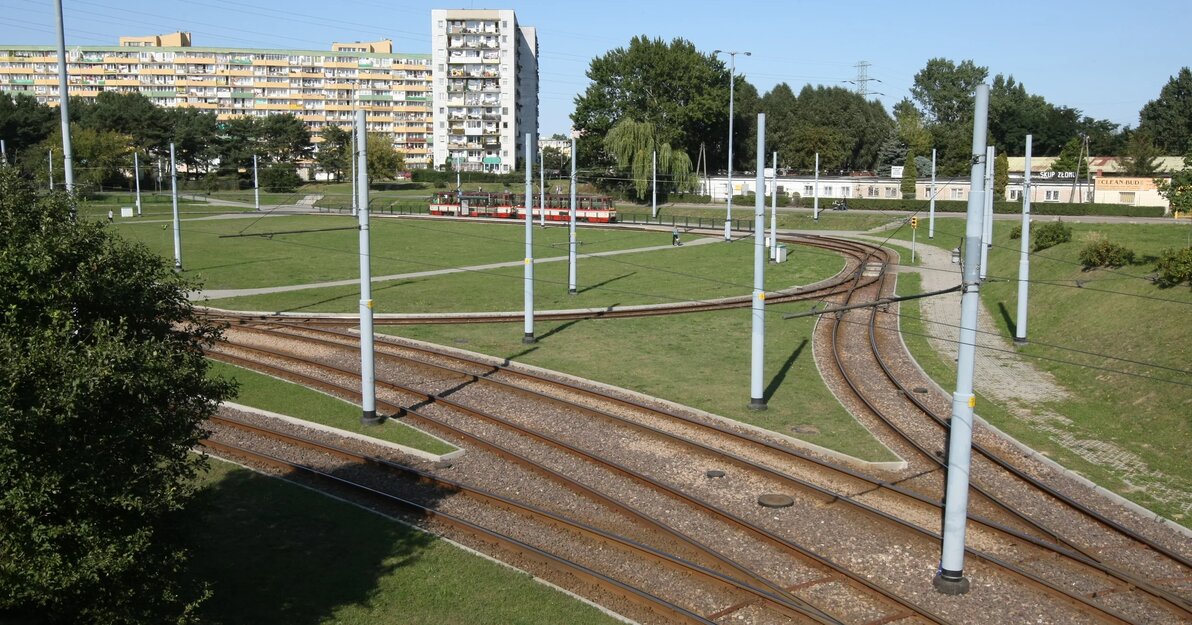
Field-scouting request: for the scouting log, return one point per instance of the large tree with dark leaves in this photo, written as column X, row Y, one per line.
column 1168, row 118
column 103, row 394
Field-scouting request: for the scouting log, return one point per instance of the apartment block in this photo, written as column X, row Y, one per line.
column 485, row 91
column 320, row 87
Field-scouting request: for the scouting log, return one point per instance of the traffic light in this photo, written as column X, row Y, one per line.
column 914, row 222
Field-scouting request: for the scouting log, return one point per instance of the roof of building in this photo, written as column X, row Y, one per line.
column 8, row 48
column 1098, row 164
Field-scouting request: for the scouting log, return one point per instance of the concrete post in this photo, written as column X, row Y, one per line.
column 931, row 212
column 528, row 336
column 542, row 186
column 136, row 174
column 774, row 211
column 987, row 220
column 950, row 577
column 757, row 397
column 654, row 187
column 1024, row 254
column 64, row 105
column 815, row 190
column 368, row 380
column 571, row 246
column 256, row 184
column 177, row 222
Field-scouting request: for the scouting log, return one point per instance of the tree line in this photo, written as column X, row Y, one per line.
column 670, row 97
column 106, row 131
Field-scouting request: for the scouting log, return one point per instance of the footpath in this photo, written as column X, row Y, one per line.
column 1011, row 380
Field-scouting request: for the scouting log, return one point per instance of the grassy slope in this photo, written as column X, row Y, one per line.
column 276, row 553
column 1151, row 418
column 268, row 393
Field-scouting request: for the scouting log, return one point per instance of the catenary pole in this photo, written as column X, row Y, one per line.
column 654, row 186
column 1024, row 255
column 774, row 211
column 64, row 105
column 368, row 386
column 987, row 220
column 3, row 153
column 174, row 201
column 815, row 191
column 542, row 186
column 256, row 184
column 353, row 161
column 136, row 174
column 931, row 212
column 950, row 577
column 528, row 335
column 571, row 251
column 757, row 397
column 51, row 159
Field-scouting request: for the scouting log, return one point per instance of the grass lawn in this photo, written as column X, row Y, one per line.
column 690, row 272
column 276, row 553
column 398, row 246
column 713, row 216
column 268, row 393
column 700, row 360
column 1111, row 315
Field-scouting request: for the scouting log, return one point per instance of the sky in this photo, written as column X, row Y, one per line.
column 1107, row 59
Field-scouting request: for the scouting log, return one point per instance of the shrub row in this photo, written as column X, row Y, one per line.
column 1015, row 207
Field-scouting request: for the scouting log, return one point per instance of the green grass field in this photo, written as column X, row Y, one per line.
column 268, row 393
column 276, row 553
column 1116, row 342
column 713, row 216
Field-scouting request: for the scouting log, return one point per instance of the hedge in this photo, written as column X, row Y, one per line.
column 1014, row 207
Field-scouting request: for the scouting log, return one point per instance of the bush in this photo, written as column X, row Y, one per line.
column 1103, row 253
column 1049, row 234
column 1016, row 232
column 280, row 178
column 1174, row 267
column 748, row 200
column 1006, row 208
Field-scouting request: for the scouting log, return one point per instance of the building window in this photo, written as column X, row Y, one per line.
column 807, row 190
column 872, row 191
column 1126, row 197
column 828, row 191
column 956, row 194
column 1015, row 194
column 892, row 192
column 1051, row 196
column 846, row 191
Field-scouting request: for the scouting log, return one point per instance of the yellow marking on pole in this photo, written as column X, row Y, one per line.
column 369, row 303
column 973, row 402
column 529, row 260
column 762, row 295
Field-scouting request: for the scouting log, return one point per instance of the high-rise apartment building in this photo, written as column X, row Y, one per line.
column 320, row 87
column 485, row 88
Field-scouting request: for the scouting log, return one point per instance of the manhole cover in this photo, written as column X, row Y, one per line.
column 714, row 473
column 772, row 500
column 805, row 429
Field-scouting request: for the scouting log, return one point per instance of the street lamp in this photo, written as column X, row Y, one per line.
column 732, row 55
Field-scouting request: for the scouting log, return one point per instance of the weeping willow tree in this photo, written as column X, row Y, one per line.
column 633, row 144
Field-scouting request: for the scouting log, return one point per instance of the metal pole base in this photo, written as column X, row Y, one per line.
column 951, row 583
column 369, row 417
column 572, row 291
column 757, row 404
column 1018, row 341
column 528, row 339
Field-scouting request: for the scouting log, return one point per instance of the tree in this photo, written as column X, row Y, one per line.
column 911, row 130
column 24, row 123
column 99, row 158
column 104, row 395
column 944, row 90
column 633, row 144
column 893, row 150
column 682, row 92
column 1001, row 175
column 1178, row 189
column 193, row 133
column 1168, row 118
column 1141, row 157
column 130, row 114
column 383, row 160
column 1069, row 159
column 280, row 178
column 556, row 161
column 284, row 138
column 910, row 175
column 335, row 151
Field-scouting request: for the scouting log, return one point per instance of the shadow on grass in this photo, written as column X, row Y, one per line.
column 355, row 295
column 559, row 328
column 780, row 375
column 600, row 284
column 274, row 553
column 1007, row 318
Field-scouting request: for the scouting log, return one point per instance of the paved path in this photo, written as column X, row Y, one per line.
column 222, row 293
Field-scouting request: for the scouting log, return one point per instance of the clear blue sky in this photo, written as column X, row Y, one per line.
column 1105, row 58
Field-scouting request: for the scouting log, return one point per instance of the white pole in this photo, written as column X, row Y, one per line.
column 757, row 397
column 64, row 105
column 51, row 159
column 542, row 186
column 136, row 174
column 571, row 252
column 931, row 212
column 1024, row 255
column 528, row 335
column 3, row 153
column 256, row 184
column 815, row 191
column 950, row 578
column 368, row 384
column 654, row 187
column 728, row 219
column 353, row 161
column 987, row 221
column 174, row 200
column 774, row 211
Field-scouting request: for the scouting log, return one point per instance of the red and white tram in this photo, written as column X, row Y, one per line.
column 591, row 208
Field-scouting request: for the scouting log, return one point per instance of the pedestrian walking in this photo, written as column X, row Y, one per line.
column 675, row 236
column 109, row 215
